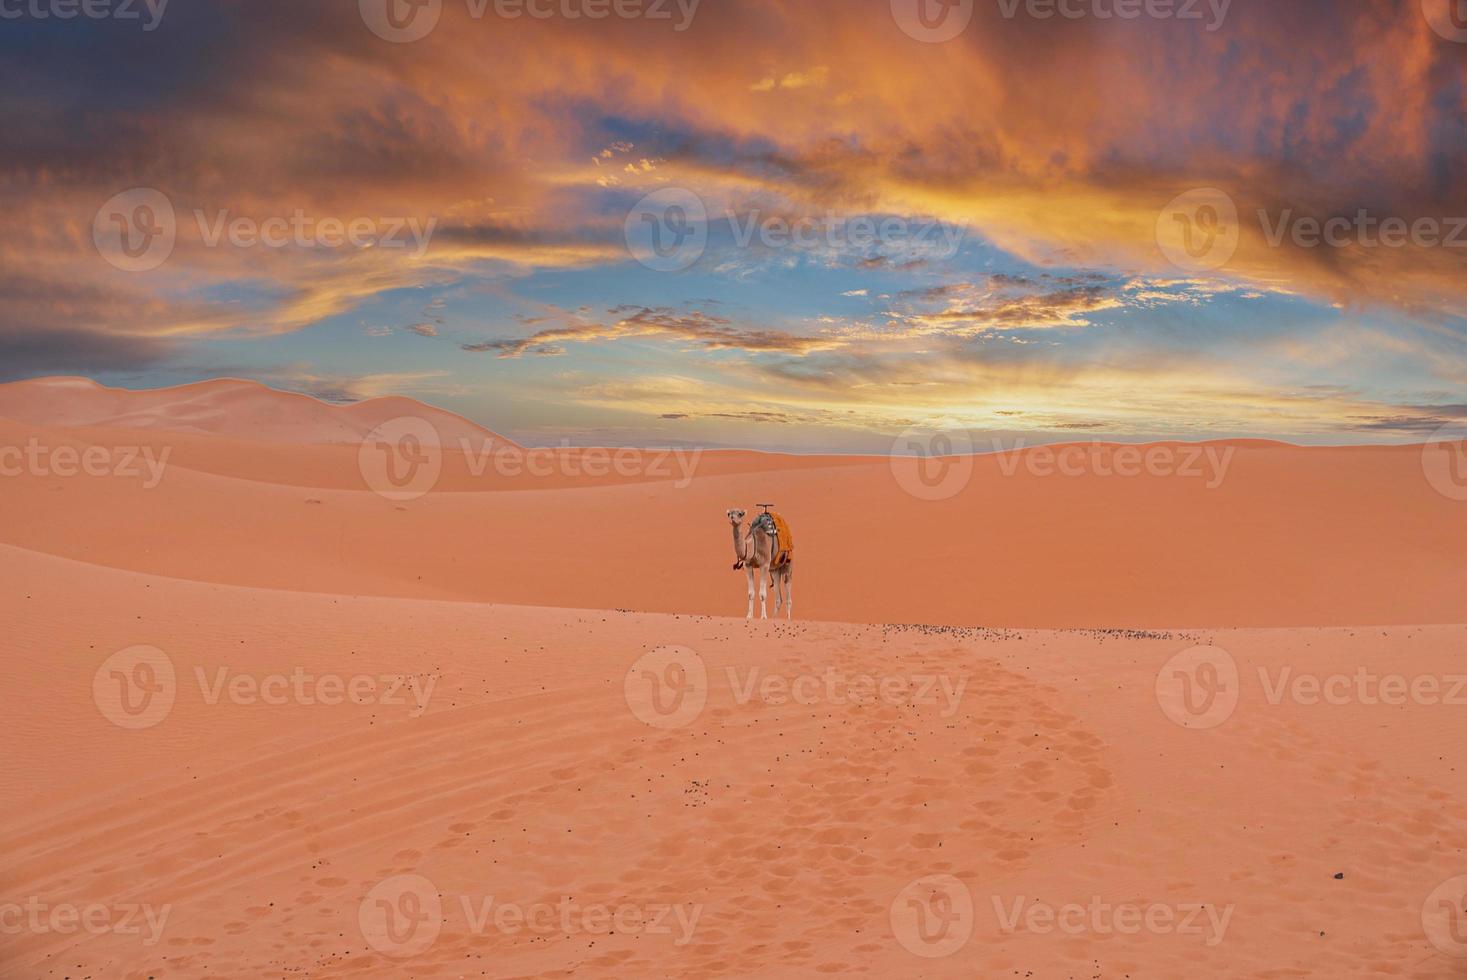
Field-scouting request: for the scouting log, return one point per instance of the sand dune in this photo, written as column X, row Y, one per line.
column 1226, row 534
column 782, row 833
column 226, row 407
column 276, row 718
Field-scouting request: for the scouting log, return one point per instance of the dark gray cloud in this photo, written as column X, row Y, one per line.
column 1414, row 419
column 31, row 352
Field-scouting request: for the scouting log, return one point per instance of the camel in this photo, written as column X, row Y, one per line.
column 755, row 550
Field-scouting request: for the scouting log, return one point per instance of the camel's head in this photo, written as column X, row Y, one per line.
column 736, row 517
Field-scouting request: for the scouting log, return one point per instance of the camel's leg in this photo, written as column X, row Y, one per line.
column 763, row 595
column 789, row 590
column 749, row 575
column 778, row 596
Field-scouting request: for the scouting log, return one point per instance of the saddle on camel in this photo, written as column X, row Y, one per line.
column 784, row 541
column 778, row 530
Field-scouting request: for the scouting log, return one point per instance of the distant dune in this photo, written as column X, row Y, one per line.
column 224, row 407
column 1216, row 535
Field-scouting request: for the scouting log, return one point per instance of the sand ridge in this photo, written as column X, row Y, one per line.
column 1223, row 534
column 790, row 827
column 275, row 722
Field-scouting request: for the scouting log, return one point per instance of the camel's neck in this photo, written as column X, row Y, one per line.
column 738, row 542
column 758, row 545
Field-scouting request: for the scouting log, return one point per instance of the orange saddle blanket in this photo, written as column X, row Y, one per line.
column 784, row 541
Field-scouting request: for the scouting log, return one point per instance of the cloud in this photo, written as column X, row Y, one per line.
column 782, row 418
column 1413, row 419
column 1050, row 169
column 790, row 81
column 28, row 352
column 528, row 143
column 703, row 330
column 1022, row 303
column 349, row 388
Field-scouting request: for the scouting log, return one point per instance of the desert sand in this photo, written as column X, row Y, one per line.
column 269, row 721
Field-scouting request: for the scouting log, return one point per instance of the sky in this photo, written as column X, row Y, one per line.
column 804, row 225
